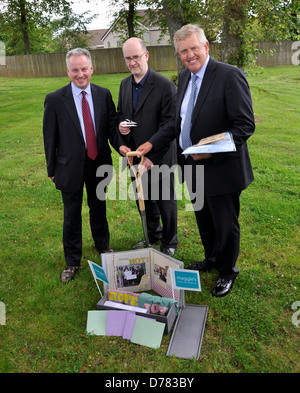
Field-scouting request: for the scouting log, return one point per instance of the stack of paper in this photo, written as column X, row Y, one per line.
column 214, row 144
column 126, row 324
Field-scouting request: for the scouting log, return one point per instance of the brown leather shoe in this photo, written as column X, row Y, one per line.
column 69, row 273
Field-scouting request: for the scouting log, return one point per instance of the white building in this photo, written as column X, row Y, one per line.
column 151, row 33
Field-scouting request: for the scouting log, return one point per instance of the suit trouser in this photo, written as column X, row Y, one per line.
column 160, row 207
column 219, row 229
column 72, row 227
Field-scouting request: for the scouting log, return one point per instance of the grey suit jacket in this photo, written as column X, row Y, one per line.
column 63, row 140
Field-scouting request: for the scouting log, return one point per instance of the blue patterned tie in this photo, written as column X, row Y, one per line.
column 185, row 134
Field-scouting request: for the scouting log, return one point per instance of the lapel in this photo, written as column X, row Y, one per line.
column 69, row 103
column 183, row 81
column 127, row 88
column 205, row 86
column 148, row 86
column 97, row 106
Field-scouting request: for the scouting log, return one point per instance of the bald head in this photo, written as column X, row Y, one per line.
column 135, row 42
column 136, row 57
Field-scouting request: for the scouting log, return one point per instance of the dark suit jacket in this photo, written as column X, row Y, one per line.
column 223, row 104
column 63, row 141
column 156, row 107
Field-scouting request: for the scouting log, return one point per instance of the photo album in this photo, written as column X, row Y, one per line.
column 141, row 270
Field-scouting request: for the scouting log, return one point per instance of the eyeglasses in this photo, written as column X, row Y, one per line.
column 134, row 58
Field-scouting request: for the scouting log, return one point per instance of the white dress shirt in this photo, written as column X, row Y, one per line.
column 200, row 75
column 76, row 91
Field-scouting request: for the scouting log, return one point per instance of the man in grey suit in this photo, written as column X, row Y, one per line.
column 222, row 102
column 73, row 116
column 147, row 98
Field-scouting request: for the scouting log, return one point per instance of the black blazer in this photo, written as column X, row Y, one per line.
column 223, row 104
column 63, row 141
column 156, row 107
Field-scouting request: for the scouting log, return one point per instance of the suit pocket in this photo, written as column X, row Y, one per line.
column 61, row 160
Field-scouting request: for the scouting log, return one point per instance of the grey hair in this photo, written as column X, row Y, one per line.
column 78, row 52
column 187, row 31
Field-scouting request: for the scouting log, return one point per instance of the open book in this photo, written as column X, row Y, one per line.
column 141, row 270
column 218, row 143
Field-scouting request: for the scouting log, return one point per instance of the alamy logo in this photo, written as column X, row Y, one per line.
column 192, row 191
column 2, row 314
column 2, row 54
column 296, row 55
column 296, row 315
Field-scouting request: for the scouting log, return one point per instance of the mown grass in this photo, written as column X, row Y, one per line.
column 249, row 330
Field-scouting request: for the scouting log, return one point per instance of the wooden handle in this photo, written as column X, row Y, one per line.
column 135, row 154
column 139, row 187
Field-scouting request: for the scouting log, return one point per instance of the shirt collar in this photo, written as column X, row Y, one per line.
column 77, row 91
column 141, row 82
column 201, row 72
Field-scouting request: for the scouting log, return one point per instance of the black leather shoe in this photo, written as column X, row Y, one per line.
column 201, row 266
column 222, row 287
column 69, row 273
column 104, row 250
column 168, row 251
column 138, row 245
column 142, row 244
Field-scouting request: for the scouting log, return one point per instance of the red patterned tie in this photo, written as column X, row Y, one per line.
column 90, row 136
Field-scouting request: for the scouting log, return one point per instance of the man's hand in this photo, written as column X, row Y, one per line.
column 200, row 156
column 123, row 150
column 124, row 130
column 145, row 148
column 51, row 178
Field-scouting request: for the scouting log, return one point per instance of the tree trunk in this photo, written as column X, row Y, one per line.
column 24, row 26
column 174, row 18
column 233, row 39
column 129, row 19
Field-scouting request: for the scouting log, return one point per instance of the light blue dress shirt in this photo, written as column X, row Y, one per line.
column 200, row 75
column 76, row 91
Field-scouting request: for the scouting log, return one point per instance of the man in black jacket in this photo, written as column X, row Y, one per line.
column 147, row 98
column 222, row 103
column 74, row 115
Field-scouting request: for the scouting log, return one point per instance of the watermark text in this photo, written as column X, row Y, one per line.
column 166, row 183
column 2, row 54
column 2, row 314
column 296, row 55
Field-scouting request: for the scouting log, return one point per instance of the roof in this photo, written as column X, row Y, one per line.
column 95, row 37
column 145, row 22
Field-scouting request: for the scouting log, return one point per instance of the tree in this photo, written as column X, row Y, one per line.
column 126, row 19
column 173, row 13
column 243, row 19
column 235, row 22
column 130, row 18
column 26, row 25
column 68, row 32
column 233, row 33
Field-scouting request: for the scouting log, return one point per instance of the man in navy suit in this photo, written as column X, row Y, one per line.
column 68, row 164
column 222, row 103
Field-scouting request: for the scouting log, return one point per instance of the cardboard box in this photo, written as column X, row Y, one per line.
column 169, row 319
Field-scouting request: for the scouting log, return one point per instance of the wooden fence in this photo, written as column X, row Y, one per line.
column 109, row 61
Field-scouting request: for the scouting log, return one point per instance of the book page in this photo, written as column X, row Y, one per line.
column 127, row 270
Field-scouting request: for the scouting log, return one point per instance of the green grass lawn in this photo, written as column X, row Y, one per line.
column 248, row 331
